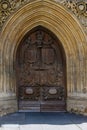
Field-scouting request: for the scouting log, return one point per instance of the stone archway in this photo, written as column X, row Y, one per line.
column 68, row 30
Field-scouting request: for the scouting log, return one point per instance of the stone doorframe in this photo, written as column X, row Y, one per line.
column 66, row 27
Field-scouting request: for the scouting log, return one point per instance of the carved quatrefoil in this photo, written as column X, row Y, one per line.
column 29, row 91
column 52, row 91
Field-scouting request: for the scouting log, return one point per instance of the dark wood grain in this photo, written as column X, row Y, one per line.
column 40, row 72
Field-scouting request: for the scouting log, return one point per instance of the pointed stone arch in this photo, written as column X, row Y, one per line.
column 66, row 27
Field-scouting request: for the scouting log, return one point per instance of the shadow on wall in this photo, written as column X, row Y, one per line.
column 43, row 118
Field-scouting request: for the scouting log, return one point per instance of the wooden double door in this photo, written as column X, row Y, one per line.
column 40, row 72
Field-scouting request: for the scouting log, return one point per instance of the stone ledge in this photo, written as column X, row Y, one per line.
column 77, row 105
column 77, row 95
column 8, row 106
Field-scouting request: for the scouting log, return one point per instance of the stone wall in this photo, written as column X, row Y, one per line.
column 62, row 17
column 77, row 105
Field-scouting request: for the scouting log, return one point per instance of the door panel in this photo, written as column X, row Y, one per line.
column 40, row 73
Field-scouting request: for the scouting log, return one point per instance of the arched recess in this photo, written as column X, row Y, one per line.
column 65, row 26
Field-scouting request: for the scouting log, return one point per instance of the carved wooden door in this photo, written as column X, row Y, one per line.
column 40, row 73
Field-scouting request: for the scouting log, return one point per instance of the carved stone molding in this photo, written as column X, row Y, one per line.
column 7, row 7
column 77, row 7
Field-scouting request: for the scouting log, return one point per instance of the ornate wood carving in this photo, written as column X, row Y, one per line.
column 40, row 71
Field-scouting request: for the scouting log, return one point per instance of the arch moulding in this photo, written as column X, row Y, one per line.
column 66, row 27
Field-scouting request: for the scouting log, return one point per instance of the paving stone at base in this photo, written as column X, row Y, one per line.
column 10, row 127
column 60, row 127
column 49, row 127
column 83, row 126
column 31, row 127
